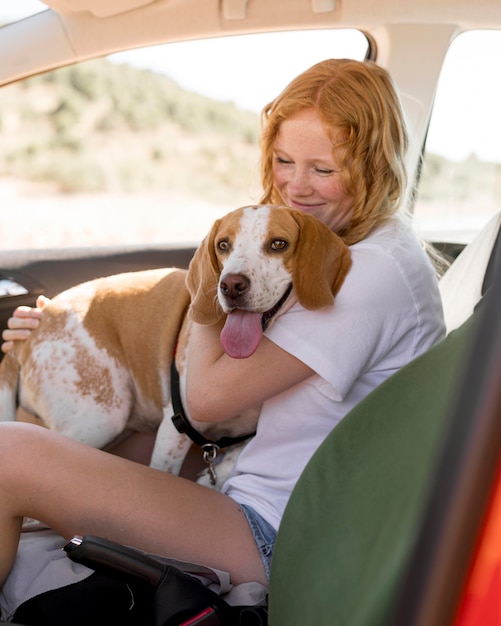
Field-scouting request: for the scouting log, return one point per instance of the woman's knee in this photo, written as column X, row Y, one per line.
column 25, row 452
column 20, row 444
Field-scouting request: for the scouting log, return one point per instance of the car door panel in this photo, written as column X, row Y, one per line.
column 24, row 275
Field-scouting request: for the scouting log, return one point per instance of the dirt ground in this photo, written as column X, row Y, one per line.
column 36, row 217
column 46, row 220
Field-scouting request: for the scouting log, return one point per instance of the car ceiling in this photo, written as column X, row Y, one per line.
column 75, row 30
column 83, row 28
column 278, row 12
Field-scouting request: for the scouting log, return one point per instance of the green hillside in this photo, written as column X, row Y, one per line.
column 100, row 126
column 462, row 180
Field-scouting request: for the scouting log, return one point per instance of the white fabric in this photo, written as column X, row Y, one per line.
column 386, row 314
column 41, row 565
column 461, row 285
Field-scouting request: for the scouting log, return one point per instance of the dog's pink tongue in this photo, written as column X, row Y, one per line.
column 241, row 334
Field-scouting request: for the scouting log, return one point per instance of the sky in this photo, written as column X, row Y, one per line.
column 464, row 123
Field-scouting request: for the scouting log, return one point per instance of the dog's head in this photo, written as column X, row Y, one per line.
column 252, row 256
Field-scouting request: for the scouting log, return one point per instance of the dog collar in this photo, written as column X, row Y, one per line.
column 266, row 317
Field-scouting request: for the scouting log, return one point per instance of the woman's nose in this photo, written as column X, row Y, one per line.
column 299, row 183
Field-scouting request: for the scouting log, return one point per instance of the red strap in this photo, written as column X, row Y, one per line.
column 208, row 617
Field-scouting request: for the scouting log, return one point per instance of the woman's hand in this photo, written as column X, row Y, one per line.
column 23, row 321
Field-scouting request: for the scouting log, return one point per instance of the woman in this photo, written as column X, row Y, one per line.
column 333, row 145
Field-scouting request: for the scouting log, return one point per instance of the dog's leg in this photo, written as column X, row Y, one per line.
column 9, row 377
column 171, row 447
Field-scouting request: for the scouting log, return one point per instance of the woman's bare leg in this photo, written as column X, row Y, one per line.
column 78, row 490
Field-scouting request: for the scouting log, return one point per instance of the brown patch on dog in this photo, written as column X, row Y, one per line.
column 94, row 380
column 142, row 328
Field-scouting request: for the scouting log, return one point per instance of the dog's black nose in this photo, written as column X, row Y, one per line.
column 234, row 285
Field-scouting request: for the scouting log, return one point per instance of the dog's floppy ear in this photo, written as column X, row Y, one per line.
column 202, row 280
column 320, row 264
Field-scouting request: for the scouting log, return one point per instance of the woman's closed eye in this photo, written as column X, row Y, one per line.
column 283, row 161
column 325, row 172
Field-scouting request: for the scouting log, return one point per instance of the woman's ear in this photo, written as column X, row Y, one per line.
column 320, row 265
column 202, row 281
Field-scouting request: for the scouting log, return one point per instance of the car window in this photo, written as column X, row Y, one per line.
column 14, row 11
column 146, row 146
column 460, row 186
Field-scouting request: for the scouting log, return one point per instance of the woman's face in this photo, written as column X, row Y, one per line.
column 305, row 173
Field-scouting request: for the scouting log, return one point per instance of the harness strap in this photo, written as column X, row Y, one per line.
column 182, row 423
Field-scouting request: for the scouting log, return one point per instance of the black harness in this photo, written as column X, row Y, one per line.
column 182, row 423
column 210, row 449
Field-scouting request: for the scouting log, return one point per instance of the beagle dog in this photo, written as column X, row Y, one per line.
column 100, row 360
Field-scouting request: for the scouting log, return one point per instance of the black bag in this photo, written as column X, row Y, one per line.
column 131, row 589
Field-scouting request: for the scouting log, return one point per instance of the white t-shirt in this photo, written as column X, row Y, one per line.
column 387, row 312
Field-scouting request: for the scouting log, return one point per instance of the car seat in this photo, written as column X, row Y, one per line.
column 466, row 280
column 359, row 539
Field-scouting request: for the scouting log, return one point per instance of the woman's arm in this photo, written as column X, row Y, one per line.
column 219, row 387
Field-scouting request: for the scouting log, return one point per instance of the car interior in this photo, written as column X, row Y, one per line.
column 387, row 523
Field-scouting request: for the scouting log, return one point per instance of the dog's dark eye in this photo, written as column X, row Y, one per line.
column 278, row 244
column 223, row 245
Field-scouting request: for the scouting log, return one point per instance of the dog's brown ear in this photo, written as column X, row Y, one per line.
column 202, row 280
column 321, row 263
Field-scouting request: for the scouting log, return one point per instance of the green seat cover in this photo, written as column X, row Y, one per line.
column 350, row 522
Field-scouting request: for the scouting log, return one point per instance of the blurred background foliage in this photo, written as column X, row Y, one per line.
column 443, row 179
column 105, row 127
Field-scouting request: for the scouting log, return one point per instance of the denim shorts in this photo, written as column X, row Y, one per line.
column 264, row 536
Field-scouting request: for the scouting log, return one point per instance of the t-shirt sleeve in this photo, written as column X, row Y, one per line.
column 374, row 311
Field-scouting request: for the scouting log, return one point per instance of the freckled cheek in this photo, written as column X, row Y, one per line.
column 331, row 190
column 279, row 177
